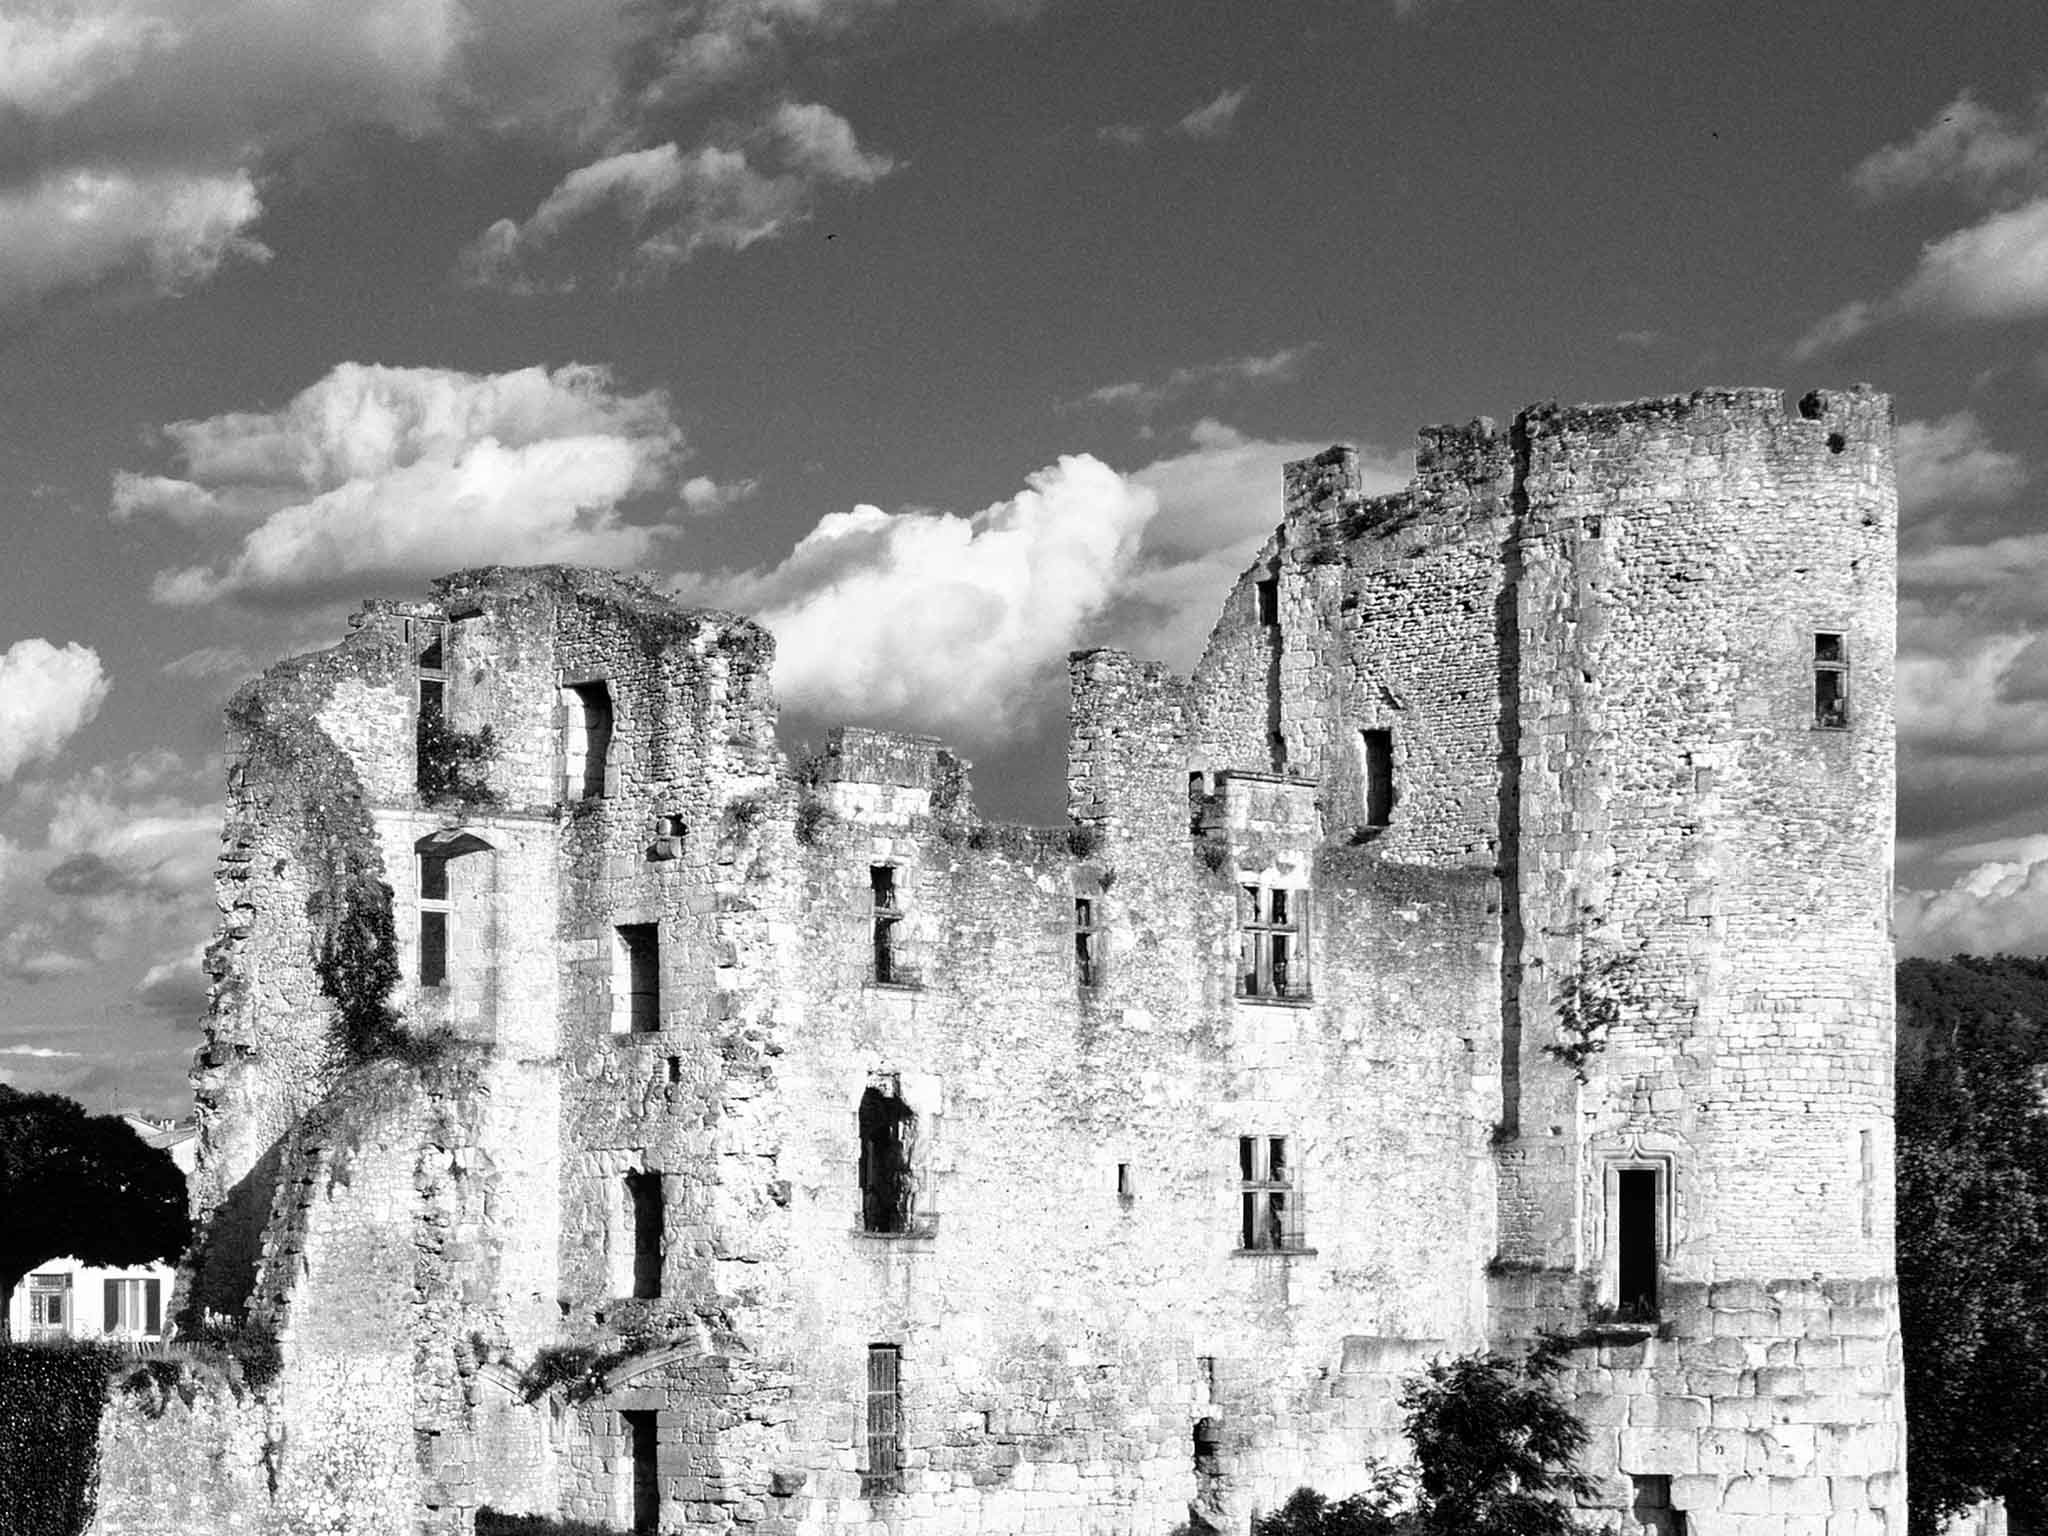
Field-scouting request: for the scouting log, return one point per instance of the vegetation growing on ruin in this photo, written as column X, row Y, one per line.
column 578, row 1369
column 491, row 1522
column 1593, row 997
column 1083, row 841
column 1496, row 1452
column 449, row 765
column 357, row 965
column 51, row 1396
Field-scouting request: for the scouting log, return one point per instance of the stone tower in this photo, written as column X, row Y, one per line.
column 607, row 1117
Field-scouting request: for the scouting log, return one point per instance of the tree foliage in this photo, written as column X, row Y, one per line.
column 81, row 1185
column 1496, row 1454
column 1972, row 1227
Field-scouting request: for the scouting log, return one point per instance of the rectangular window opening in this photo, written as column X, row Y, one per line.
column 1087, row 943
column 643, row 1494
column 1268, row 589
column 1376, row 748
column 1273, row 948
column 1651, row 1506
column 433, row 700
column 49, row 1304
column 1270, row 1207
column 644, row 1217
column 639, row 979
column 885, row 1419
column 433, row 947
column 888, row 1130
column 888, row 925
column 1637, row 1198
column 1831, row 681
column 1126, row 1184
column 134, row 1307
column 586, row 740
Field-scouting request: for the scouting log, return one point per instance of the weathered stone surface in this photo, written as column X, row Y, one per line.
column 1589, row 641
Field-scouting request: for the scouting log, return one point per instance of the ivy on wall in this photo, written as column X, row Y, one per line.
column 51, row 1398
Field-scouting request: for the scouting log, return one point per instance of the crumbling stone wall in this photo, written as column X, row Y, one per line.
column 623, row 1194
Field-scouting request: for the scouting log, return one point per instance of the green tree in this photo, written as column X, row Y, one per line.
column 1496, row 1454
column 1972, row 1228
column 81, row 1185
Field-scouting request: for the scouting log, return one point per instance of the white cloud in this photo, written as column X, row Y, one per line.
column 1996, row 269
column 177, row 988
column 52, row 60
column 702, row 494
column 47, row 693
column 406, row 472
column 1213, row 119
column 676, row 204
column 1951, row 461
column 1269, row 368
column 1967, row 147
column 1996, row 907
column 38, row 1052
column 945, row 622
column 161, row 496
column 171, row 229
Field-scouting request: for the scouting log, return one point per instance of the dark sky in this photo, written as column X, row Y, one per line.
column 946, row 335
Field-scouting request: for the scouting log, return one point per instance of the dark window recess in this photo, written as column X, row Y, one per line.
column 1268, row 589
column 1831, row 681
column 1272, row 948
column 1126, row 1185
column 433, row 948
column 640, row 945
column 1652, row 1509
column 888, row 921
column 643, row 1213
column 433, row 700
column 1208, row 1447
column 644, row 1493
column 433, row 878
column 1271, row 1217
column 1378, row 750
column 1087, row 943
column 1635, row 1268
column 427, row 636
column 887, row 1130
column 594, row 724
column 885, row 1419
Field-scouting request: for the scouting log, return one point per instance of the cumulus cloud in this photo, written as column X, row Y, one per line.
column 51, row 61
column 47, row 693
column 178, row 988
column 1260, row 369
column 1967, row 147
column 1995, row 907
column 397, row 473
column 170, row 230
column 675, row 204
column 1951, row 461
column 1995, row 269
column 960, row 624
column 126, row 858
column 948, row 622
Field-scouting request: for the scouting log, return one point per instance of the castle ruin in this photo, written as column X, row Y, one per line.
column 1492, row 936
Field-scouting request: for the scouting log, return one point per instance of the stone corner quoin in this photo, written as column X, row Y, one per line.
column 1491, row 937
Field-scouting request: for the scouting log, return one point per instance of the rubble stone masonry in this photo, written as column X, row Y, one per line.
column 1490, row 937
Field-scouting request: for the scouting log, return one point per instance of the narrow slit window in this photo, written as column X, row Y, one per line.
column 1376, row 751
column 1126, row 1184
column 888, row 1129
column 1087, row 943
column 644, row 1218
column 1268, row 590
column 1831, row 681
column 643, row 1486
column 1637, row 1198
column 888, row 925
column 586, row 740
column 1273, row 943
column 884, row 1419
column 1271, row 1205
column 434, row 915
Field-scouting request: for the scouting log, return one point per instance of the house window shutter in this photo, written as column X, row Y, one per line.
column 110, row 1313
column 153, row 1302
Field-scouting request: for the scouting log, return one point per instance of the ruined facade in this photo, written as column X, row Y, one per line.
column 1492, row 936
